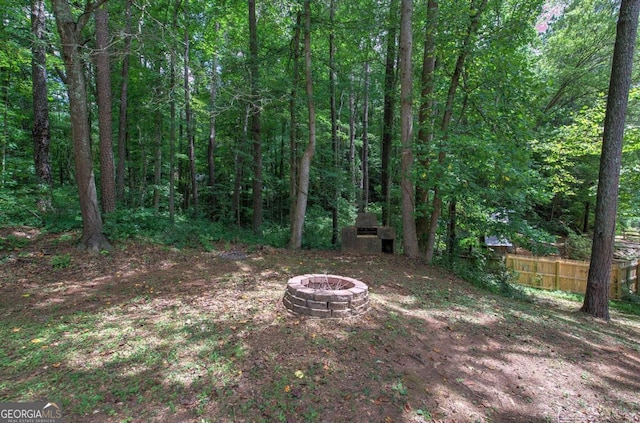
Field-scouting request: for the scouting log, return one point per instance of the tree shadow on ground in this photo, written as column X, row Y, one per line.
column 161, row 335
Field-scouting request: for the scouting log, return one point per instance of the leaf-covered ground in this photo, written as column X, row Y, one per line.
column 152, row 334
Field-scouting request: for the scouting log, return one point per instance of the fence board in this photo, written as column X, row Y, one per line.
column 570, row 275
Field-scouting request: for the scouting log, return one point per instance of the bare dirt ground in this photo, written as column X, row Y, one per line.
column 149, row 333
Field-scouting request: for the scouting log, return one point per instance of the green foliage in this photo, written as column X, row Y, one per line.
column 578, row 246
column 490, row 274
column 18, row 207
column 13, row 242
column 61, row 261
column 65, row 215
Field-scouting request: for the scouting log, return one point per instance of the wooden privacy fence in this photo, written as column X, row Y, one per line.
column 571, row 275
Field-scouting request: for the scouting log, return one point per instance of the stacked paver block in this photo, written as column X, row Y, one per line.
column 366, row 237
column 301, row 296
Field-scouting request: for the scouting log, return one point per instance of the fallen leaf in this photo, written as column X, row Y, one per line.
column 299, row 374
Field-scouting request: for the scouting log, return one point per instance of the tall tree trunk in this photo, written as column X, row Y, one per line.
column 191, row 138
column 596, row 300
column 173, row 129
column 388, row 109
column 365, row 140
column 446, row 120
column 238, row 160
column 41, row 138
column 334, row 125
column 211, row 148
column 305, row 163
column 157, row 169
column 122, row 121
column 293, row 130
column 92, row 237
column 256, row 136
column 5, row 126
column 406, row 131
column 425, row 118
column 352, row 140
column 451, row 231
column 103, row 89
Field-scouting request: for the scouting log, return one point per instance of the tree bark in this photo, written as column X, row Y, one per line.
column 365, row 140
column 191, row 138
column 446, row 120
column 451, row 232
column 103, row 90
column 238, row 160
column 352, row 140
column 406, row 130
column 256, row 135
column 293, row 130
column 425, row 118
column 157, row 169
column 93, row 239
column 387, row 113
column 41, row 135
column 596, row 300
column 211, row 148
column 122, row 121
column 334, row 125
column 305, row 163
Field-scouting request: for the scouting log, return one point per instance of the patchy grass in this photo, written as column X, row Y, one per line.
column 148, row 333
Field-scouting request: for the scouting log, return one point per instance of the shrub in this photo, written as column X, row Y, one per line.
column 578, row 246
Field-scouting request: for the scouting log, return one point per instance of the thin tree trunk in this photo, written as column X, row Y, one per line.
column 172, row 135
column 157, row 171
column 41, row 138
column 92, row 237
column 388, row 108
column 238, row 160
column 211, row 148
column 122, row 121
column 334, row 124
column 451, row 231
column 5, row 128
column 352, row 139
column 103, row 89
column 143, row 168
column 596, row 300
column 191, row 139
column 365, row 140
column 425, row 118
column 256, row 136
column 446, row 120
column 406, row 131
column 293, row 131
column 305, row 163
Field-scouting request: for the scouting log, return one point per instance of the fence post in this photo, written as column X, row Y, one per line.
column 557, row 280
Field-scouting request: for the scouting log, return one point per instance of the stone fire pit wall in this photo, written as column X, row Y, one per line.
column 314, row 295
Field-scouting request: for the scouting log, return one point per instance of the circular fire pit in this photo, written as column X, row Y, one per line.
column 326, row 296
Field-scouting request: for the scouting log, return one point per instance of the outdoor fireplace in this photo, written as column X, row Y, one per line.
column 366, row 237
column 325, row 296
